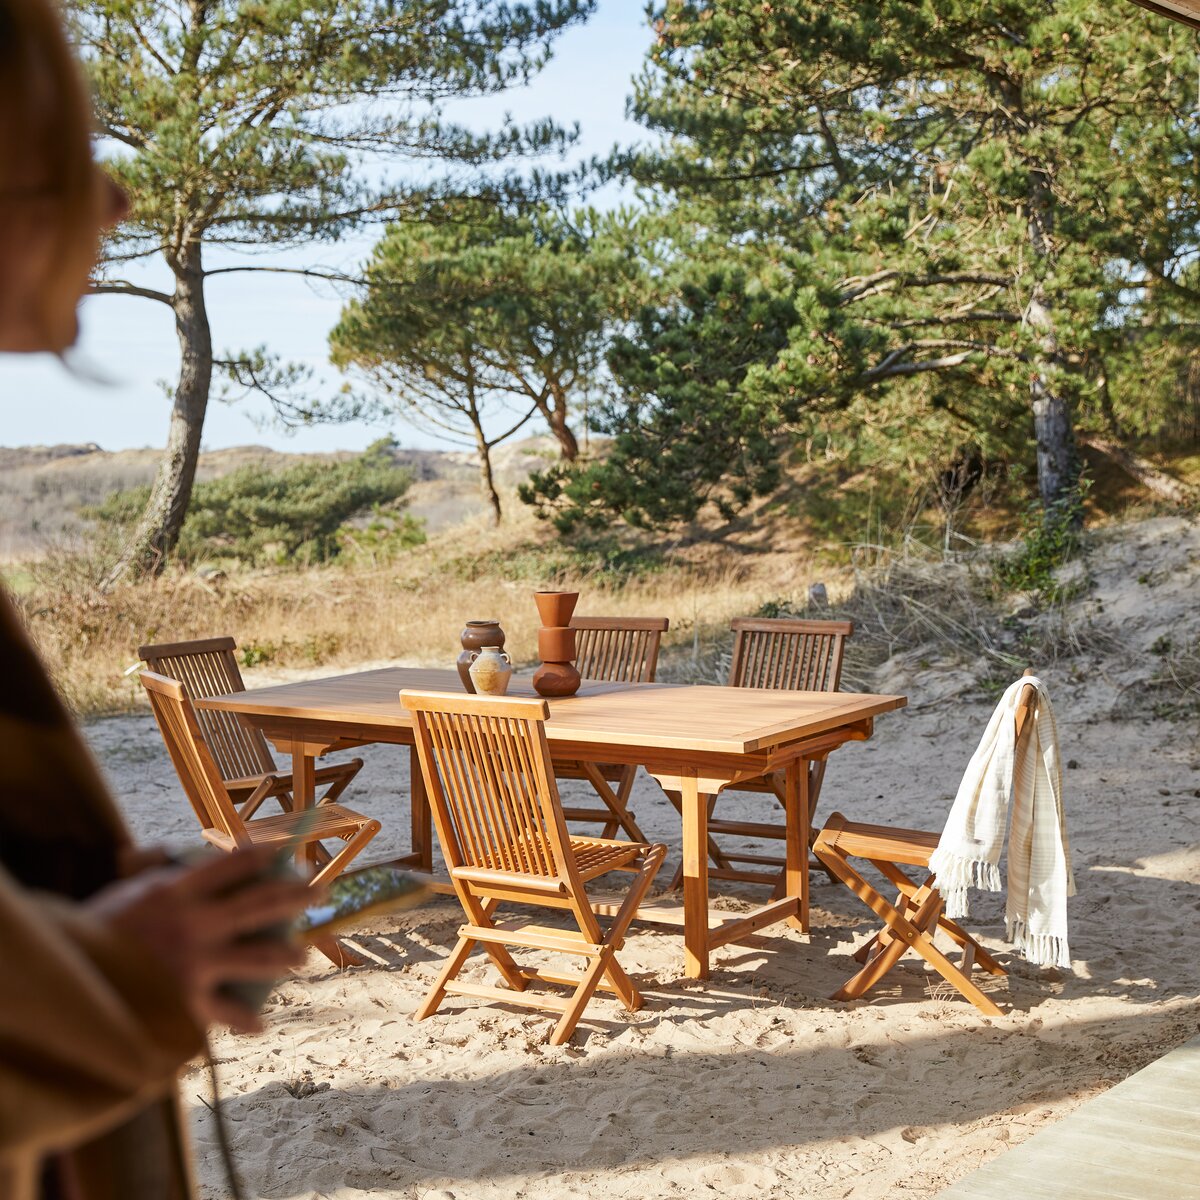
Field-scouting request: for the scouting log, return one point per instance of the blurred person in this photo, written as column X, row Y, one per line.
column 112, row 960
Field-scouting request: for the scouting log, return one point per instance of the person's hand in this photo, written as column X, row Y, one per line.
column 199, row 922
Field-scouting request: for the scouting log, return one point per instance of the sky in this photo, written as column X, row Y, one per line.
column 118, row 394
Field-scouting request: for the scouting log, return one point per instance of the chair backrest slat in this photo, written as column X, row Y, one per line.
column 197, row 769
column 208, row 667
column 487, row 769
column 618, row 649
column 795, row 655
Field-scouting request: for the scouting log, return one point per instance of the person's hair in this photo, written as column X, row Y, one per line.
column 45, row 130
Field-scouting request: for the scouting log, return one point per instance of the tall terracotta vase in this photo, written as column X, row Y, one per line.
column 556, row 645
column 474, row 637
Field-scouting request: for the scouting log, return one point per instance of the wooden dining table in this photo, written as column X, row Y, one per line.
column 695, row 740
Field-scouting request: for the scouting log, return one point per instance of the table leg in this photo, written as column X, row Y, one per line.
column 798, row 820
column 422, row 826
column 304, row 797
column 695, row 878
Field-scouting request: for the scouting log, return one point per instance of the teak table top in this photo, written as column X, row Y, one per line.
column 690, row 718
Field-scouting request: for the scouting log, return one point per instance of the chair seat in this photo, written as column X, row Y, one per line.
column 308, row 825
column 912, row 847
column 595, row 856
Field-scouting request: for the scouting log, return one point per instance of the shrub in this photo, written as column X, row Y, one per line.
column 1050, row 540
column 380, row 540
column 294, row 515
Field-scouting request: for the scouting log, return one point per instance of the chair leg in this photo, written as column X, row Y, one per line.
column 478, row 913
column 615, row 802
column 337, row 953
column 876, row 968
column 583, row 993
column 615, row 937
column 605, row 964
column 342, row 859
column 953, row 976
column 978, row 954
column 451, row 967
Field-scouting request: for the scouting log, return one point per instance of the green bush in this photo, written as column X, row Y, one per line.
column 382, row 539
column 297, row 515
column 1050, row 540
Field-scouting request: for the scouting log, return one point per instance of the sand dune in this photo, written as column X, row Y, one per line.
column 752, row 1083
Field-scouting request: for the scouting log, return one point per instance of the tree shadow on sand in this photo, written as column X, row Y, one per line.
column 653, row 1092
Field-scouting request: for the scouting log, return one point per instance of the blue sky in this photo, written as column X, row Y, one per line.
column 130, row 343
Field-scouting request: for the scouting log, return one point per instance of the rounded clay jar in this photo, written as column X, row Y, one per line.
column 491, row 671
column 475, row 637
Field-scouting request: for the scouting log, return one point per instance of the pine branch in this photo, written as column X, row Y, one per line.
column 120, row 287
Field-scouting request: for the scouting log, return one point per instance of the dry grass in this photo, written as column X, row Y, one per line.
column 297, row 622
column 904, row 601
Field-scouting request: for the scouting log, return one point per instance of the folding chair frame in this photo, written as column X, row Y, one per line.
column 227, row 827
column 917, row 915
column 486, row 764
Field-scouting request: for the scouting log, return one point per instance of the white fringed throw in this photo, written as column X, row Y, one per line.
column 1039, row 854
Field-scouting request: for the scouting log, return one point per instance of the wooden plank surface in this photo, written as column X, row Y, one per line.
column 699, row 719
column 1138, row 1141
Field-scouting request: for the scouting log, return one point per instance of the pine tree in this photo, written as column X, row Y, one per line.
column 244, row 124
column 478, row 322
column 983, row 202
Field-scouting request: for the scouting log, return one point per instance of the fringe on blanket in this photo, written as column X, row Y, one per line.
column 1041, row 949
column 956, row 875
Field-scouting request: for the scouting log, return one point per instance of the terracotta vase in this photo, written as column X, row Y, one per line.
column 475, row 636
column 556, row 679
column 556, row 645
column 555, row 608
column 491, row 671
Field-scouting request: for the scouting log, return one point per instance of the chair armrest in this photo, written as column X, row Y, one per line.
column 268, row 786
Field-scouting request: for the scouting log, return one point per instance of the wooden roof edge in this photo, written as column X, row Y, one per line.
column 1185, row 11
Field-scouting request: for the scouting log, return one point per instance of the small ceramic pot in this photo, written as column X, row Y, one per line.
column 555, row 608
column 474, row 637
column 556, row 679
column 491, row 671
column 556, row 645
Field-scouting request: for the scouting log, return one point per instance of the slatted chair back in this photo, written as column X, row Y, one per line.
column 618, row 649
column 208, row 667
column 491, row 785
column 197, row 769
column 795, row 655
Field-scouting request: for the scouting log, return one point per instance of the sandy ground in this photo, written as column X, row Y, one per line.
column 751, row 1083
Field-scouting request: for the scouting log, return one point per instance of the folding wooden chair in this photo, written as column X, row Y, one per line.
column 487, row 768
column 616, row 650
column 796, row 655
column 222, row 823
column 917, row 915
column 208, row 667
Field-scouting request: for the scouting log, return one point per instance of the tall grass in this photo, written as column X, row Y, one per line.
column 292, row 623
column 904, row 599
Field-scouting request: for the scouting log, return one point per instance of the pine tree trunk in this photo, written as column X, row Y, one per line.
column 556, row 418
column 487, row 478
column 158, row 528
column 1057, row 455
